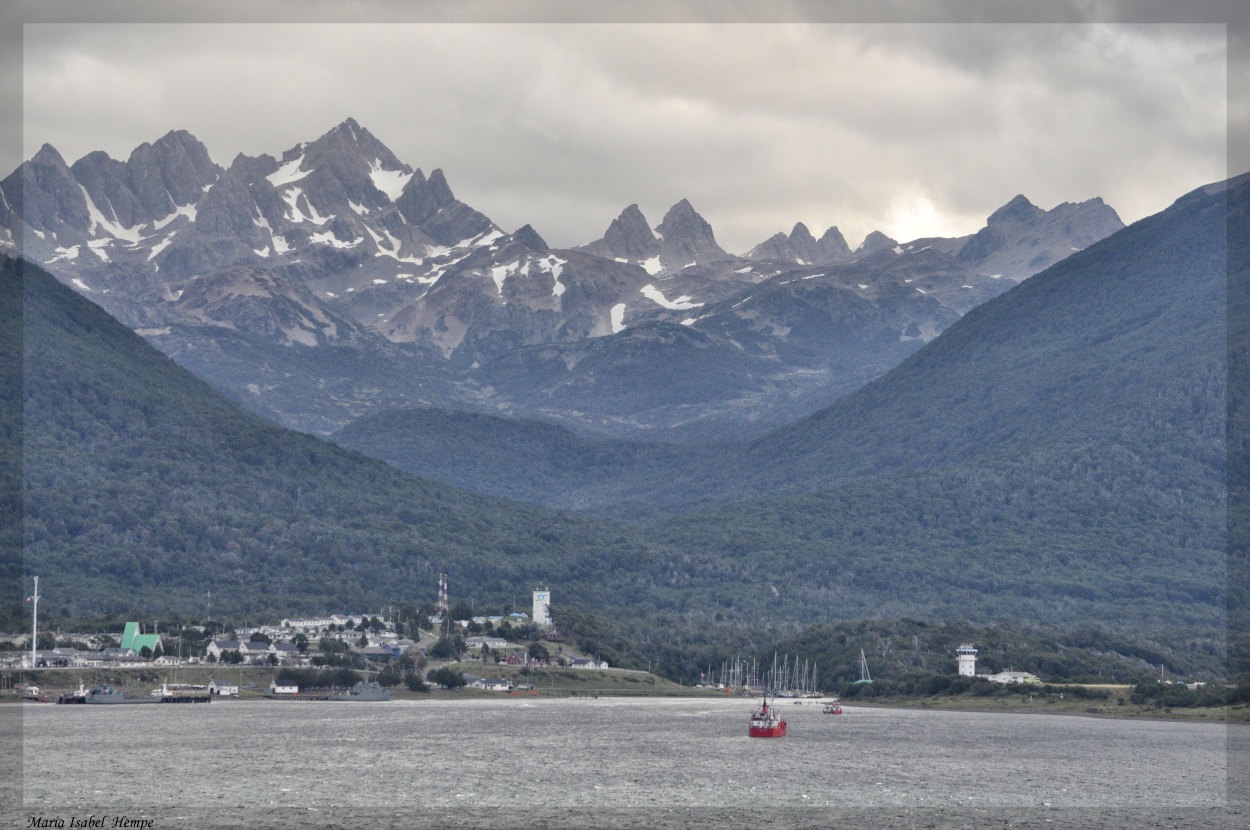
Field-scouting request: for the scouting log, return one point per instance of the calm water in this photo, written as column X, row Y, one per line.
column 614, row 763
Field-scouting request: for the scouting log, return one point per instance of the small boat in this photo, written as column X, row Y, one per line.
column 834, row 708
column 79, row 696
column 766, row 723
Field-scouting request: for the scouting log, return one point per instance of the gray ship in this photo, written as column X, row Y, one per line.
column 106, row 695
column 109, row 695
column 364, row 691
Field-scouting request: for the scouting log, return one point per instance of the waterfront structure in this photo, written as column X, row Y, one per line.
column 542, row 607
column 967, row 660
column 226, row 688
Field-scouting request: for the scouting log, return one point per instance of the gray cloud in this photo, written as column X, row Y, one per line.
column 913, row 129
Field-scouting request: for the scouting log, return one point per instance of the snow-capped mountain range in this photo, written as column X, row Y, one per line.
column 244, row 272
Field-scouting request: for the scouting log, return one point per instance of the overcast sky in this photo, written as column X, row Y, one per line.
column 911, row 129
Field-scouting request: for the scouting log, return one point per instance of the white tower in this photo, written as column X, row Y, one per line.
column 967, row 660
column 542, row 607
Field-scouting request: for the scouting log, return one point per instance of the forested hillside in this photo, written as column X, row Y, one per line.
column 144, row 488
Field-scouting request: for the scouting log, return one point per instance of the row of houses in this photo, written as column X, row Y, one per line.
column 66, row 657
column 258, row 652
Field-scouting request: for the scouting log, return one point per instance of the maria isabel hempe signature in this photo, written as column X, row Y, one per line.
column 103, row 821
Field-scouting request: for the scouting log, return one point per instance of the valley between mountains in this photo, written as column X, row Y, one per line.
column 1027, row 425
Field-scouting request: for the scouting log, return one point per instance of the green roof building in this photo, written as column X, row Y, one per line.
column 131, row 638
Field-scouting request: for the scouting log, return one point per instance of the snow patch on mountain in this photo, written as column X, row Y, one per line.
column 390, row 182
column 292, row 197
column 501, row 272
column 618, row 318
column 97, row 247
column 160, row 246
column 113, row 228
column 288, row 173
column 64, row 253
column 391, row 248
column 682, row 303
column 188, row 211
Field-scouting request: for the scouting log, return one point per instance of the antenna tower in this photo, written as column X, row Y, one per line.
column 34, row 625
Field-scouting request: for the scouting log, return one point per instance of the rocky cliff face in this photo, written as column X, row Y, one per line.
column 1020, row 239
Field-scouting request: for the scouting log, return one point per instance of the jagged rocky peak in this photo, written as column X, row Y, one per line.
column 352, row 141
column 44, row 192
column 873, row 242
column 1020, row 239
column 833, row 247
column 175, row 169
column 801, row 247
column 630, row 237
column 156, row 182
column 686, row 239
column 527, row 236
column 1019, row 209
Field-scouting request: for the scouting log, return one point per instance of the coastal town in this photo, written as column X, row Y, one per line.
column 441, row 645
column 390, row 646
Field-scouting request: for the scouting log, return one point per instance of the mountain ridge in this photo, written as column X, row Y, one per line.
column 480, row 315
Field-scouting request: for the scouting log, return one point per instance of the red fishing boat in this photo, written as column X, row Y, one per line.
column 834, row 708
column 766, row 723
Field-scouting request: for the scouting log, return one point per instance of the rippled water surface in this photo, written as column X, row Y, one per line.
column 614, row 763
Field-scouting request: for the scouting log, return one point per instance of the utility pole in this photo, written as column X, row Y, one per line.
column 34, row 627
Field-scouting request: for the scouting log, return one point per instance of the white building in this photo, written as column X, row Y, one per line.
column 967, row 660
column 227, row 688
column 307, row 625
column 488, row 642
column 542, row 607
column 1013, row 677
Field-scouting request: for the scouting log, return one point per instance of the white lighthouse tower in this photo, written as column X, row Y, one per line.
column 542, row 607
column 967, row 660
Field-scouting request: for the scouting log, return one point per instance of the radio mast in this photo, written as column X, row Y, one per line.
column 34, row 625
